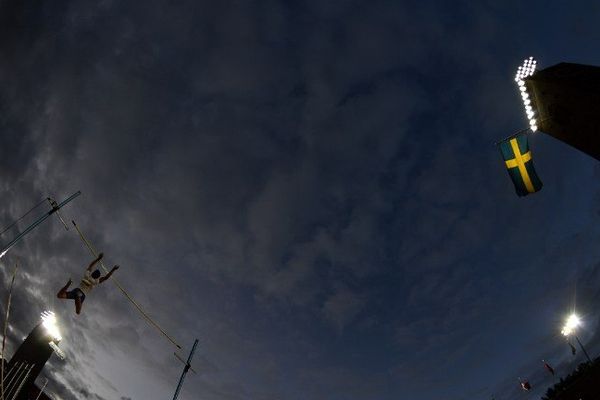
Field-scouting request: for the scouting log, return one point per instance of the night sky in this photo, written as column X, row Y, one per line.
column 309, row 188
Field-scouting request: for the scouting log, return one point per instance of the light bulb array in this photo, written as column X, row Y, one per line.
column 524, row 71
column 49, row 322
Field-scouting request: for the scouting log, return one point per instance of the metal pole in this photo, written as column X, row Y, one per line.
column 583, row 349
column 23, row 381
column 17, row 375
column 183, row 361
column 116, row 282
column 42, row 389
column 17, row 371
column 36, row 223
column 4, row 331
column 185, row 370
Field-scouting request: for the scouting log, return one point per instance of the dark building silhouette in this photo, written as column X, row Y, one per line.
column 29, row 360
column 581, row 384
column 566, row 98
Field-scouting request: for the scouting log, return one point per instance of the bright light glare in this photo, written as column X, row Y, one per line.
column 49, row 322
column 572, row 323
column 524, row 71
column 527, row 68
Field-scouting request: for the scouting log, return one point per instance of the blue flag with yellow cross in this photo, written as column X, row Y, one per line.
column 517, row 158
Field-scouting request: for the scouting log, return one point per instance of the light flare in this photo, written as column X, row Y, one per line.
column 571, row 325
column 49, row 322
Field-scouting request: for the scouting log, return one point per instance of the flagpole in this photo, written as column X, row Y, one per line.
column 583, row 349
column 519, row 132
column 512, row 136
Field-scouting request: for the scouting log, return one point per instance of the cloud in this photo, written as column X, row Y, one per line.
column 263, row 173
column 342, row 307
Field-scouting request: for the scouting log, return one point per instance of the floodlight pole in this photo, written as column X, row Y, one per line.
column 583, row 349
column 188, row 365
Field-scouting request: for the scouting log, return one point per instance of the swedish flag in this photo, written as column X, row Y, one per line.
column 517, row 157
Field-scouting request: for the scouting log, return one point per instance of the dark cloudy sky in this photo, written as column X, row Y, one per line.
column 310, row 188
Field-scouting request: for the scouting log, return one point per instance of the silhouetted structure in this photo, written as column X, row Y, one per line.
column 34, row 394
column 583, row 383
column 29, row 360
column 567, row 100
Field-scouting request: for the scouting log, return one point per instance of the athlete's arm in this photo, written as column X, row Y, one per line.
column 102, row 279
column 89, row 268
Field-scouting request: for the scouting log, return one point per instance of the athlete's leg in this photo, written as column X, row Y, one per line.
column 78, row 304
column 62, row 293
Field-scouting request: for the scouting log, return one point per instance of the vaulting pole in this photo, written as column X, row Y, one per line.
column 116, row 282
column 185, row 370
column 41, row 219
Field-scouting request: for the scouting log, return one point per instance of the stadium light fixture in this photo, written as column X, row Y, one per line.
column 49, row 322
column 524, row 71
column 571, row 325
column 570, row 328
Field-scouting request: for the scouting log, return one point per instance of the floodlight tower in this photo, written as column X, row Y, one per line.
column 564, row 102
column 570, row 328
column 30, row 358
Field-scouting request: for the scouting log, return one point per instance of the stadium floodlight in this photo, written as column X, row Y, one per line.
column 524, row 71
column 571, row 325
column 570, row 328
column 49, row 322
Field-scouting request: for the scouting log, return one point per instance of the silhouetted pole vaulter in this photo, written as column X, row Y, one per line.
column 188, row 366
column 89, row 281
column 41, row 219
column 139, row 308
